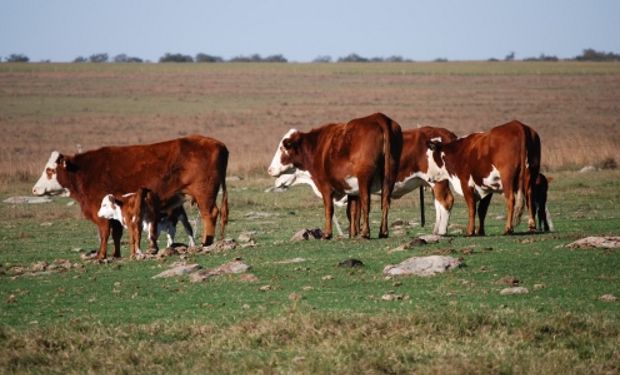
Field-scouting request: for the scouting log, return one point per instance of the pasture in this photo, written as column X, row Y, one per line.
column 311, row 316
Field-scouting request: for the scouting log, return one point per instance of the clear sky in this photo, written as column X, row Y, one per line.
column 61, row 30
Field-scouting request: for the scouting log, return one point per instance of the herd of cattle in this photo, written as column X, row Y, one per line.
column 144, row 186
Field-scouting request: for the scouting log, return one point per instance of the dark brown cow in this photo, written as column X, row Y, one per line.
column 352, row 159
column 193, row 165
column 411, row 175
column 540, row 189
column 485, row 163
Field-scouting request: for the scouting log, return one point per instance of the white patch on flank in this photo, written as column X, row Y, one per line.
column 409, row 184
column 354, row 188
column 490, row 184
column 276, row 168
column 455, row 183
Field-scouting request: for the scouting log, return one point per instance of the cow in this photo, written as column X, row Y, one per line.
column 352, row 159
column 411, row 175
column 194, row 165
column 143, row 210
column 505, row 159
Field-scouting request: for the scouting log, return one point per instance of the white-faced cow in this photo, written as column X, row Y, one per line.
column 505, row 159
column 411, row 175
column 143, row 210
column 193, row 165
column 352, row 159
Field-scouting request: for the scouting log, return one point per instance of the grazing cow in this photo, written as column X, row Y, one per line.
column 485, row 163
column 411, row 175
column 143, row 211
column 352, row 159
column 193, row 165
column 541, row 186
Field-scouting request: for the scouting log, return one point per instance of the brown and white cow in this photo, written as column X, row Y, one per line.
column 411, row 175
column 352, row 159
column 505, row 159
column 192, row 165
column 143, row 210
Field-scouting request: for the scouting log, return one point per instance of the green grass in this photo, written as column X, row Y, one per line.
column 115, row 318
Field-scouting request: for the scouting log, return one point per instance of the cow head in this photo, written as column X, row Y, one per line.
column 110, row 208
column 436, row 164
column 288, row 148
column 48, row 182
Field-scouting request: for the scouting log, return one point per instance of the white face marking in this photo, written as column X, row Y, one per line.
column 47, row 183
column 276, row 168
column 434, row 172
column 110, row 210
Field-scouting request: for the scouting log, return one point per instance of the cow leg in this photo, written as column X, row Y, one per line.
column 530, row 201
column 470, row 199
column 328, row 203
column 208, row 213
column 353, row 214
column 153, row 236
column 136, row 236
column 364, row 198
column 117, row 233
column 104, row 227
column 385, row 209
column 444, row 200
column 483, row 206
column 188, row 228
column 510, row 209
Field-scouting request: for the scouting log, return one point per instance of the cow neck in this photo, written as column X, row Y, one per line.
column 308, row 148
column 452, row 156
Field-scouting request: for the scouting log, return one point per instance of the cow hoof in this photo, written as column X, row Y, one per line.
column 508, row 232
column 383, row 235
column 326, row 236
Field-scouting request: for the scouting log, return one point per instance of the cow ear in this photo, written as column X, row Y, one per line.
column 116, row 201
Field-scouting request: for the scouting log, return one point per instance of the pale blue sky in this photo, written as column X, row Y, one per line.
column 61, row 30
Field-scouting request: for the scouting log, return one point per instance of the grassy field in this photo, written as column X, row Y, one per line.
column 315, row 317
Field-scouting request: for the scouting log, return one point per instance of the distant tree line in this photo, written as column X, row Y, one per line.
column 588, row 54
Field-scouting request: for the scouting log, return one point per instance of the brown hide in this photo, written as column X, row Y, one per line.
column 366, row 148
column 144, row 205
column 193, row 165
column 511, row 148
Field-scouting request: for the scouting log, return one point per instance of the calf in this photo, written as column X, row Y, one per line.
column 144, row 211
column 352, row 159
column 505, row 159
column 540, row 188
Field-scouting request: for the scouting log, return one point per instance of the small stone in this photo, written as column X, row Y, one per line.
column 265, row 288
column 539, row 286
column 608, row 298
column 307, row 234
column 392, row 297
column 587, row 168
column 39, row 266
column 508, row 280
column 248, row 278
column 179, row 270
column 514, row 290
column 246, row 237
column 307, row 288
column 11, row 299
column 245, row 306
column 290, row 261
column 351, row 263
column 327, row 277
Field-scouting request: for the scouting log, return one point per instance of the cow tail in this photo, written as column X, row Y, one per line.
column 391, row 156
column 224, row 204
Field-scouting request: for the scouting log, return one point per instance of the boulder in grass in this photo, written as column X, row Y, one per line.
column 608, row 242
column 27, row 200
column 422, row 266
column 514, row 290
column 307, row 234
column 608, row 298
column 179, row 270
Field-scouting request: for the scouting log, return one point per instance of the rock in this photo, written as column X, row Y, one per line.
column 167, row 252
column 391, row 296
column 351, row 263
column 39, row 266
column 422, row 266
column 587, row 168
column 221, row 246
column 236, row 266
column 265, row 288
column 608, row 298
column 508, row 280
column 199, row 276
column 430, row 238
column 398, row 223
column 290, row 261
column 539, row 286
column 178, row 270
column 307, row 234
column 609, row 242
column 514, row 290
column 247, row 237
column 27, row 200
column 327, row 277
column 11, row 299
